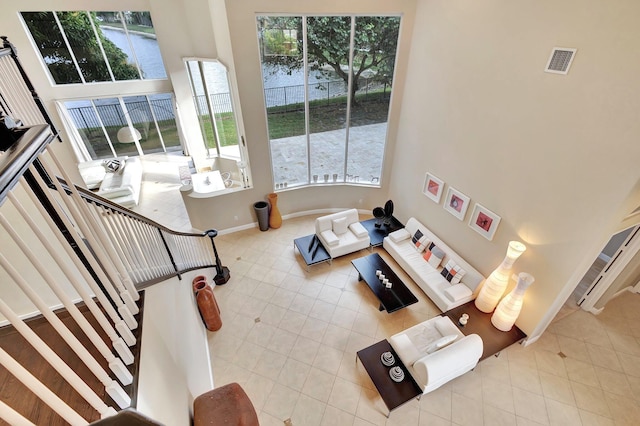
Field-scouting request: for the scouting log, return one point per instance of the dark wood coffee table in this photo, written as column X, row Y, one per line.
column 394, row 394
column 391, row 299
column 377, row 234
column 493, row 340
column 312, row 250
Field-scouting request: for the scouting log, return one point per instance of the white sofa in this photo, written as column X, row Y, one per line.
column 342, row 233
column 445, row 294
column 121, row 187
column 435, row 352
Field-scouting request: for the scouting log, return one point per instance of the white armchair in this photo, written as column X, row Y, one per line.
column 342, row 233
column 435, row 352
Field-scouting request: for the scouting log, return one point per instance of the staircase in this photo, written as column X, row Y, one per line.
column 79, row 275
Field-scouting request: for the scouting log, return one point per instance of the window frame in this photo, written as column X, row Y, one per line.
column 375, row 182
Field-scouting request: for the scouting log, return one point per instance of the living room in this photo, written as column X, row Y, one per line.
column 553, row 155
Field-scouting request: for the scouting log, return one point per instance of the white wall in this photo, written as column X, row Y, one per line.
column 555, row 156
column 171, row 377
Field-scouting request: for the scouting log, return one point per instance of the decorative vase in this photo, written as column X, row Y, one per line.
column 509, row 308
column 496, row 284
column 275, row 220
column 195, row 282
column 208, row 306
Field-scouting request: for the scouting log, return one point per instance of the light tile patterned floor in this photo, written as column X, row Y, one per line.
column 289, row 337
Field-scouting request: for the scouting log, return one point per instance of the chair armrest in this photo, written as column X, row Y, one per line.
column 405, row 349
column 329, row 237
column 399, row 235
column 358, row 230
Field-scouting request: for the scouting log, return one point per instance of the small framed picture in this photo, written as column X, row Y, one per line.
column 456, row 203
column 433, row 187
column 484, row 221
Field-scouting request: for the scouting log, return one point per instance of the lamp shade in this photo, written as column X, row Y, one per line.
column 128, row 135
column 494, row 286
column 509, row 308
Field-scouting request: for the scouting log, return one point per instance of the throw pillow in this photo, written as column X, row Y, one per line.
column 452, row 272
column 112, row 165
column 441, row 343
column 339, row 225
column 433, row 255
column 419, row 240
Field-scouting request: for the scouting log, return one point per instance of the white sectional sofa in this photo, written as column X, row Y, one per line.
column 121, row 187
column 410, row 256
column 435, row 352
column 342, row 233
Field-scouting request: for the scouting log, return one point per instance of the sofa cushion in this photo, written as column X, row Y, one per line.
column 358, row 230
column 330, row 238
column 441, row 342
column 452, row 272
column 399, row 235
column 457, row 292
column 405, row 349
column 339, row 225
column 433, row 254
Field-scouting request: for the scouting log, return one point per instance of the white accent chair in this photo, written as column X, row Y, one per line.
column 435, row 351
column 342, row 233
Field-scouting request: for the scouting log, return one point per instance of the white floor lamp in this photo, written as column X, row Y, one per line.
column 496, row 284
column 509, row 308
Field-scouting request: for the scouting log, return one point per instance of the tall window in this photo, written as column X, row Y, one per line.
column 214, row 106
column 327, row 83
column 119, row 126
column 87, row 47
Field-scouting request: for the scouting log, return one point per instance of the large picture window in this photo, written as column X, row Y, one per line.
column 327, row 84
column 122, row 126
column 88, row 47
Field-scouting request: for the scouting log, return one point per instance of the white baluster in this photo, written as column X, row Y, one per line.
column 58, row 364
column 12, row 417
column 120, row 325
column 112, row 387
column 43, row 392
column 106, row 282
column 115, row 364
column 106, row 246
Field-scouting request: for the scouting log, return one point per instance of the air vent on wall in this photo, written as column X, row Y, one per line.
column 560, row 60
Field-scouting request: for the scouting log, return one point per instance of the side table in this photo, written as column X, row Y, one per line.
column 377, row 234
column 493, row 340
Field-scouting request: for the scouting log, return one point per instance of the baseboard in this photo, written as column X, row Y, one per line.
column 290, row 216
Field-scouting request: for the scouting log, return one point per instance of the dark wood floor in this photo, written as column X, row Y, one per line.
column 21, row 399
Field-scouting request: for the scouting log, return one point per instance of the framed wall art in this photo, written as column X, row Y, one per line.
column 484, row 221
column 433, row 187
column 456, row 203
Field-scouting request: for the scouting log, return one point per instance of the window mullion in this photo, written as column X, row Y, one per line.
column 104, row 130
column 104, row 54
column 155, row 122
column 210, row 107
column 305, row 68
column 133, row 50
column 66, row 42
column 349, row 100
column 127, row 117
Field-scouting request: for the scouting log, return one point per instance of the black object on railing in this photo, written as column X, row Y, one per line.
column 222, row 272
